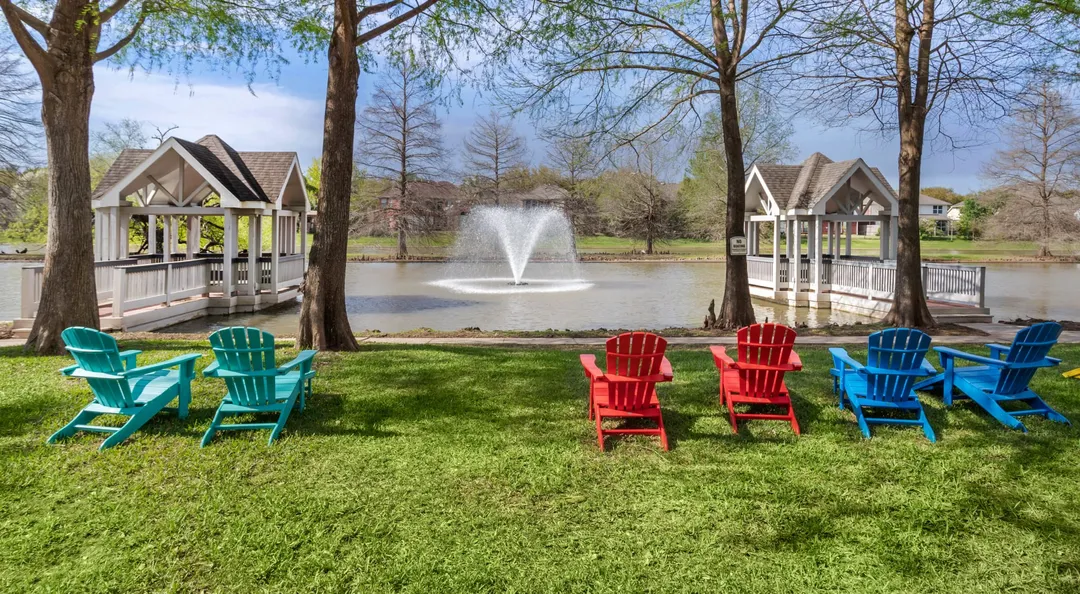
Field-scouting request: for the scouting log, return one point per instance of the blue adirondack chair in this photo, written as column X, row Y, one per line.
column 245, row 360
column 121, row 388
column 895, row 361
column 1003, row 377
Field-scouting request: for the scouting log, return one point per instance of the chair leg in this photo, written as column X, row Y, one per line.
column 927, row 429
column 134, row 423
column 1038, row 403
column 209, row 435
column 83, row 418
column 663, row 433
column 861, row 418
column 995, row 410
column 184, row 399
column 732, row 417
column 599, row 430
column 283, row 417
column 794, row 422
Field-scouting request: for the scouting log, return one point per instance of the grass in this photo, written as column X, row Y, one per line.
column 422, row 469
column 689, row 249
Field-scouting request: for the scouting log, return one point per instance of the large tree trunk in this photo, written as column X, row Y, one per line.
column 736, row 310
column 402, row 245
column 909, row 301
column 324, row 321
column 68, row 291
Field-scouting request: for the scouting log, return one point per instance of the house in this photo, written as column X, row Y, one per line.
column 432, row 205
column 544, row 195
column 933, row 209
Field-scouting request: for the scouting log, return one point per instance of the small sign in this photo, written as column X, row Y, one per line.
column 737, row 246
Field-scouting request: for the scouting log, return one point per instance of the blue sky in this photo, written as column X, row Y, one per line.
column 286, row 114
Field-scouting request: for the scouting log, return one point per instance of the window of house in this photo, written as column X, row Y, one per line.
column 938, row 209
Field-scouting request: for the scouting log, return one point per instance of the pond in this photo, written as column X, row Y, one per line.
column 393, row 297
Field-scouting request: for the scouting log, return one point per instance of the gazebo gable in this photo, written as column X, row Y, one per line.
column 855, row 191
column 293, row 194
column 759, row 195
column 157, row 181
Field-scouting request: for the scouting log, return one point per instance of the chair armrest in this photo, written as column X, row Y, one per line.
column 842, row 359
column 80, row 372
column 946, row 353
column 622, row 379
column 303, row 360
column 998, row 350
column 128, row 358
column 666, row 370
column 928, row 367
column 69, row 370
column 794, row 361
column 174, row 362
column 721, row 357
column 920, row 372
column 591, row 370
column 253, row 373
column 211, row 369
column 759, row 367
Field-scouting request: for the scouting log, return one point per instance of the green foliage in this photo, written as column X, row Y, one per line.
column 31, row 213
column 973, row 216
column 313, row 181
column 449, row 469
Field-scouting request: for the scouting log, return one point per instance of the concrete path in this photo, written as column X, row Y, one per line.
column 999, row 333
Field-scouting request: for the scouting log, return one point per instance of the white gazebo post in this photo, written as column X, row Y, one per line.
column 275, row 242
column 193, row 234
column 847, row 237
column 228, row 254
column 792, row 238
column 98, row 229
column 883, row 239
column 166, row 238
column 151, row 234
column 114, row 233
column 815, row 280
column 776, row 253
column 894, row 232
column 254, row 248
column 124, row 236
column 303, row 236
column 175, row 246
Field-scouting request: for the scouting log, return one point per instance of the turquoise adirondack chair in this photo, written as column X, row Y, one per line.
column 1003, row 377
column 895, row 361
column 245, row 360
column 121, row 388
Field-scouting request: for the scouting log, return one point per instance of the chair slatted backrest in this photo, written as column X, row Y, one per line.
column 634, row 354
column 895, row 349
column 246, row 350
column 1031, row 345
column 763, row 344
column 96, row 351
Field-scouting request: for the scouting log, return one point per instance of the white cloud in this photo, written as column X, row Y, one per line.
column 271, row 119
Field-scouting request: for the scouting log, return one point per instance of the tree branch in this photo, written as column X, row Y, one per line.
column 38, row 57
column 394, row 22
column 119, row 45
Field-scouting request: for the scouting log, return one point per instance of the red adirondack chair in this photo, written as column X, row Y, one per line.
column 765, row 354
column 635, row 363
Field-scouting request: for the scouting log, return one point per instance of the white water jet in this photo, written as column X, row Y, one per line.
column 496, row 240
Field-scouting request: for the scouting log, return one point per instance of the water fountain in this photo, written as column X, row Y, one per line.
column 494, row 240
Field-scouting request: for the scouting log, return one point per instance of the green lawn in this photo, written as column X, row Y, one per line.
column 939, row 249
column 425, row 469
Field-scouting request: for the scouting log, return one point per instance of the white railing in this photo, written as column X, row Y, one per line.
column 290, row 270
column 876, row 279
column 34, row 275
column 147, row 285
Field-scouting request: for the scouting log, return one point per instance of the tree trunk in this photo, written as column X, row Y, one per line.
column 736, row 310
column 402, row 247
column 324, row 321
column 909, row 301
column 68, row 291
column 649, row 245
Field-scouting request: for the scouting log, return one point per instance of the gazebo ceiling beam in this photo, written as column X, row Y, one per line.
column 199, row 190
column 161, row 187
column 174, row 210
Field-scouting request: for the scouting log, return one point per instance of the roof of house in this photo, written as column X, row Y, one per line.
column 803, row 186
column 542, row 193
column 931, row 201
column 251, row 176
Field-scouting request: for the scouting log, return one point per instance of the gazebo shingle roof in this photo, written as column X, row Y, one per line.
column 256, row 176
column 804, row 186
